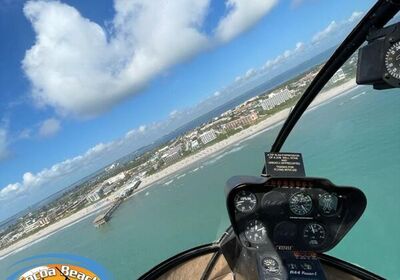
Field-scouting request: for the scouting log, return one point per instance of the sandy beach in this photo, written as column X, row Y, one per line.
column 244, row 134
column 182, row 164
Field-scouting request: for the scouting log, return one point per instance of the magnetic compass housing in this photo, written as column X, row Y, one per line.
column 379, row 60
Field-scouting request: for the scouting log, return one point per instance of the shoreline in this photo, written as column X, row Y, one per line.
column 149, row 181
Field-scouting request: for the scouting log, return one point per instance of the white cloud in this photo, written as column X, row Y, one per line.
column 337, row 28
column 300, row 46
column 355, row 16
column 268, row 64
column 3, row 144
column 81, row 69
column 329, row 30
column 28, row 181
column 142, row 128
column 286, row 53
column 273, row 63
column 329, row 36
column 173, row 113
column 49, row 127
column 31, row 181
column 59, row 175
column 284, row 57
column 217, row 93
column 243, row 14
column 249, row 73
column 9, row 189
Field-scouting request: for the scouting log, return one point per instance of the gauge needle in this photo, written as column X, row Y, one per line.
column 312, row 229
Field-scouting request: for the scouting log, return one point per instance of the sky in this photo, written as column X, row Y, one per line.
column 83, row 83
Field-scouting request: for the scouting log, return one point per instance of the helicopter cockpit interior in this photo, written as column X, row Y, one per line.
column 283, row 221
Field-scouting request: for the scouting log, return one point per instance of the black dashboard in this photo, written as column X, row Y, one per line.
column 297, row 214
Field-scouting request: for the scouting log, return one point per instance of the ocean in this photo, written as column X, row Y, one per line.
column 352, row 140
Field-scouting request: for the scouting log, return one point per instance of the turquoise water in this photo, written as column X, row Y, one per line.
column 353, row 140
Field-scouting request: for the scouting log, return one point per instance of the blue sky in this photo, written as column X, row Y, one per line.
column 82, row 83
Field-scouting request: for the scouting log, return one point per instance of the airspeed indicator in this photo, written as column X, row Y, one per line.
column 245, row 201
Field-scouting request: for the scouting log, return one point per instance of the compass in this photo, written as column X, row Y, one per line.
column 392, row 60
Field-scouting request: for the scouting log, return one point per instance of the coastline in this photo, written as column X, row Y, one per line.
column 147, row 182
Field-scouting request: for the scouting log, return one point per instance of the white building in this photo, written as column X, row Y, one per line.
column 115, row 178
column 241, row 122
column 108, row 189
column 173, row 154
column 275, row 99
column 94, row 196
column 208, row 136
column 339, row 75
column 169, row 158
column 194, row 144
column 31, row 225
column 44, row 221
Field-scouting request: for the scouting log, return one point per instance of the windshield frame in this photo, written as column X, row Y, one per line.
column 381, row 13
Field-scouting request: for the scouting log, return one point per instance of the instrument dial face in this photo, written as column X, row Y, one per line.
column 270, row 265
column 245, row 201
column 392, row 60
column 314, row 234
column 285, row 233
column 328, row 203
column 255, row 232
column 273, row 203
column 300, row 204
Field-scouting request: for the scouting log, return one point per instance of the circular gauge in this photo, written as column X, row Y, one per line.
column 314, row 234
column 392, row 60
column 270, row 265
column 328, row 203
column 285, row 233
column 245, row 201
column 273, row 203
column 300, row 204
column 255, row 232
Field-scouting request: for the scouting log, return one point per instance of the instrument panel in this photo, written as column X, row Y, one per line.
column 306, row 214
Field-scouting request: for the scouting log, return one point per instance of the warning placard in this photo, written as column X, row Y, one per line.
column 284, row 165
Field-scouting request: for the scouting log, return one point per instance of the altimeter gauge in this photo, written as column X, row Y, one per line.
column 392, row 60
column 314, row 234
column 255, row 232
column 245, row 201
column 300, row 204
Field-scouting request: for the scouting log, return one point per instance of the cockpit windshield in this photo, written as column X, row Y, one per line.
column 121, row 121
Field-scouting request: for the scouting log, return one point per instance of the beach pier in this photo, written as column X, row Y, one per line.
column 105, row 217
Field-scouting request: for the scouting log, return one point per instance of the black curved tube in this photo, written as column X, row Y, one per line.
column 377, row 17
column 210, row 266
